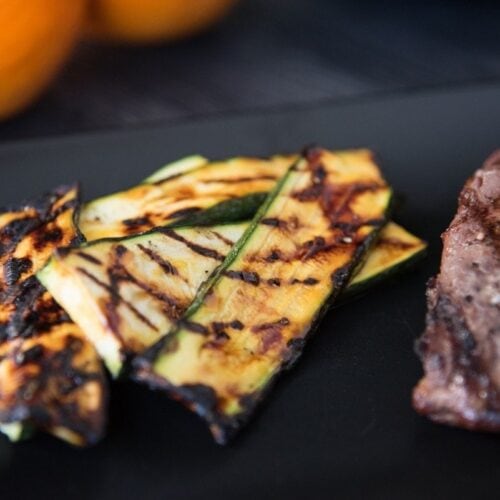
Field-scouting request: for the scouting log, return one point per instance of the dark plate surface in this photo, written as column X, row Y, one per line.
column 340, row 424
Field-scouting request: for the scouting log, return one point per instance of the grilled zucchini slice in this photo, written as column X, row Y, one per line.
column 50, row 375
column 251, row 319
column 193, row 189
column 175, row 263
column 127, row 293
column 395, row 250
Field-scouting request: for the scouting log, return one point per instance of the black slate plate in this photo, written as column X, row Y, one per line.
column 340, row 425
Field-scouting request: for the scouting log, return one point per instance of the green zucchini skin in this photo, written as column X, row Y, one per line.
column 228, row 211
column 395, row 251
column 191, row 191
column 177, row 362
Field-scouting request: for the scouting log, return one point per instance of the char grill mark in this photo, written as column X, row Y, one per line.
column 137, row 223
column 460, row 348
column 199, row 249
column 225, row 240
column 164, row 264
column 238, row 180
column 89, row 258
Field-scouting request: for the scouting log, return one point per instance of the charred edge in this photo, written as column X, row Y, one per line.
column 14, row 268
column 249, row 277
column 238, row 180
column 194, row 327
column 205, row 252
column 184, row 212
column 165, row 265
column 89, row 258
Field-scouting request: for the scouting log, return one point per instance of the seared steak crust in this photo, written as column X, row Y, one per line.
column 460, row 348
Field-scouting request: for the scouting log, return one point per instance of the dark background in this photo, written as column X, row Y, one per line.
column 273, row 53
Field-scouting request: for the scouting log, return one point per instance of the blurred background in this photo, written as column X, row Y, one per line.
column 130, row 63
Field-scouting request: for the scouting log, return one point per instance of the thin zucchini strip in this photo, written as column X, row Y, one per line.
column 174, row 263
column 50, row 375
column 191, row 190
column 250, row 320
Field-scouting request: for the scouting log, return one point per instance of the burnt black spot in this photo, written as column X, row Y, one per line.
column 202, row 397
column 14, row 268
column 249, row 277
column 4, row 332
column 313, row 247
column 273, row 256
column 29, row 356
column 45, row 237
column 206, row 252
column 194, row 327
column 274, row 281
column 310, row 281
column 89, row 258
column 340, row 276
column 136, row 223
column 184, row 212
column 237, row 324
column 120, row 250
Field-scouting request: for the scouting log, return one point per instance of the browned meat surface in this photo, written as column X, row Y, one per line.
column 460, row 347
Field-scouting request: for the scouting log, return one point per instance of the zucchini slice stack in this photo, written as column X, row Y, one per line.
column 251, row 319
column 190, row 282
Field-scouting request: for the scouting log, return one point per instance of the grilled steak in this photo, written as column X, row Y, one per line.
column 460, row 347
column 50, row 375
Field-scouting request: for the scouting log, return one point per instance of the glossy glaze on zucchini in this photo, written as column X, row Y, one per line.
column 205, row 193
column 245, row 325
column 50, row 375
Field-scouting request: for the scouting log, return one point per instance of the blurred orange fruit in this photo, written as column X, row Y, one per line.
column 149, row 21
column 36, row 37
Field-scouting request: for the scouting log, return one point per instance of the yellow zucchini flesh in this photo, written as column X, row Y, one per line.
column 50, row 375
column 184, row 190
column 125, row 294
column 251, row 319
